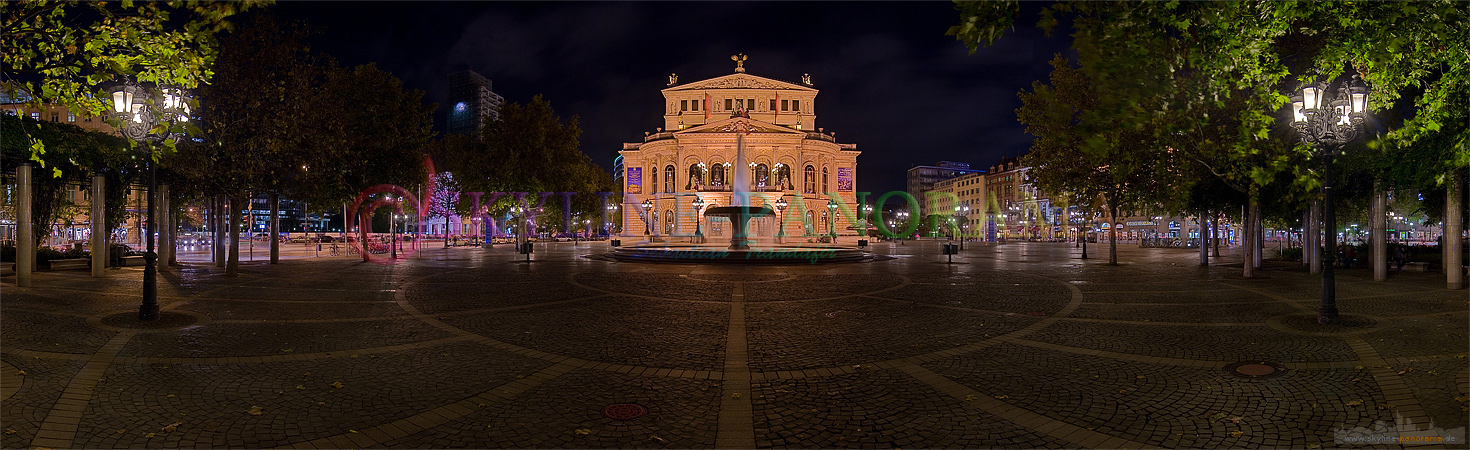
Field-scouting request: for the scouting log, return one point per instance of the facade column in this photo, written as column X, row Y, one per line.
column 1453, row 227
column 25, row 237
column 1316, row 234
column 99, row 226
column 1204, row 240
column 1378, row 228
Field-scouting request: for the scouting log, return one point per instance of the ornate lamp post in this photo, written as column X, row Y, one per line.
column 698, row 209
column 647, row 207
column 903, row 218
column 832, row 219
column 781, row 205
column 962, row 211
column 149, row 114
column 612, row 208
column 1329, row 122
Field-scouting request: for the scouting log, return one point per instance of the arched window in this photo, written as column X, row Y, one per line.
column 811, row 221
column 668, row 221
column 783, row 176
column 696, row 177
column 669, row 178
column 823, row 226
column 825, row 187
column 762, row 175
column 809, row 180
column 653, row 180
column 717, row 175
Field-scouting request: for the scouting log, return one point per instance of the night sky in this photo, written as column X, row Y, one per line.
column 890, row 81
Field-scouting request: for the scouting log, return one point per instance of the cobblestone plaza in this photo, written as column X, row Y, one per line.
column 1018, row 345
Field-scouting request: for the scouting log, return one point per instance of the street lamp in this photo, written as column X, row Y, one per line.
column 1329, row 122
column 148, row 115
column 962, row 211
column 698, row 208
column 903, row 218
column 647, row 207
column 612, row 208
column 832, row 219
column 781, row 205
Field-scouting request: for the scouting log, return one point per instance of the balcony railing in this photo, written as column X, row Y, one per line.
column 820, row 137
column 658, row 136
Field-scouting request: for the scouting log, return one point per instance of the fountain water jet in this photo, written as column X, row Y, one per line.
column 739, row 212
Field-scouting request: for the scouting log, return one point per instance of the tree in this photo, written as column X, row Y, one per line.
column 60, row 51
column 530, row 149
column 75, row 154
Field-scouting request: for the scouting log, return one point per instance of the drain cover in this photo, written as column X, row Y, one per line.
column 624, row 411
column 1254, row 369
column 637, row 352
column 844, row 313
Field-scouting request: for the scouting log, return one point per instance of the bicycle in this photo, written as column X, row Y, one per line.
column 335, row 249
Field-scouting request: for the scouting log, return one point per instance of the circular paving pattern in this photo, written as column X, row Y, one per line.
column 624, row 411
column 1306, row 324
column 844, row 314
column 166, row 321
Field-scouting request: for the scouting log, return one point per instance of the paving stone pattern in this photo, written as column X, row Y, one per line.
column 1019, row 345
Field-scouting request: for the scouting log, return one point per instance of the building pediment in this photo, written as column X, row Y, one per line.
column 740, row 125
column 739, row 81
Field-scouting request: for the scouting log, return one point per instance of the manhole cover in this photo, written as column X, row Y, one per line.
column 166, row 320
column 624, row 411
column 637, row 352
column 844, row 313
column 1254, row 369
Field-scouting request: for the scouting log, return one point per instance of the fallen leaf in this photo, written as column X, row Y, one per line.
column 489, row 426
column 1314, row 445
column 1217, row 416
column 321, row 403
column 351, row 431
column 583, row 431
column 337, row 385
column 735, row 395
column 1384, row 407
column 1237, row 433
column 306, row 374
column 171, row 396
column 300, row 387
column 9, row 431
column 659, row 439
column 286, row 350
column 254, row 411
column 20, row 372
column 1002, row 397
column 172, row 427
column 1140, row 377
column 1406, row 370
column 149, row 435
column 1358, row 367
column 1355, row 403
column 969, row 398
column 1236, row 419
column 121, row 431
column 1462, row 398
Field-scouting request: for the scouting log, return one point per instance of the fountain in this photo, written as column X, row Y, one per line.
column 739, row 213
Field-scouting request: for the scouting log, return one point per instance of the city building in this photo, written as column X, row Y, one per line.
column 964, row 190
column 691, row 157
column 923, row 178
column 471, row 102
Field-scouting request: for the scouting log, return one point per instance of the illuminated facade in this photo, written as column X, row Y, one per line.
column 471, row 102
column 691, row 157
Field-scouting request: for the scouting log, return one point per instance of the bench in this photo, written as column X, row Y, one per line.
column 133, row 261
column 7, row 268
column 70, row 264
column 1416, row 267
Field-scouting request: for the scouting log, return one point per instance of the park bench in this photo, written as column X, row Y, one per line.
column 70, row 264
column 133, row 261
column 1416, row 267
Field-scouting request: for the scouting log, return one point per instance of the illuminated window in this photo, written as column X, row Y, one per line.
column 796, row 105
column 785, row 105
column 750, row 103
column 695, row 105
column 825, row 187
column 71, row 117
column 683, row 105
column 809, row 180
column 773, row 104
column 729, row 104
column 669, row 178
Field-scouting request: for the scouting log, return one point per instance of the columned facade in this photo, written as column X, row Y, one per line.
column 692, row 157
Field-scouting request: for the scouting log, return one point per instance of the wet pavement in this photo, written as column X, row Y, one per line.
column 1018, row 345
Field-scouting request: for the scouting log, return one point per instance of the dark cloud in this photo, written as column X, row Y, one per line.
column 890, row 81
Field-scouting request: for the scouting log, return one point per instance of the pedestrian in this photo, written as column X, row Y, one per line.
column 1396, row 257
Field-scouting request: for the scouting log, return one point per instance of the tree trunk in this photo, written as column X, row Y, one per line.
column 275, row 227
column 1307, row 237
column 1248, row 239
column 1204, row 239
column 219, row 230
column 1259, row 236
column 1113, row 235
column 1453, row 227
column 232, row 267
column 1215, row 229
column 1316, row 237
column 1378, row 228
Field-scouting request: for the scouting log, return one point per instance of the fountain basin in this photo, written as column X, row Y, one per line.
column 738, row 216
column 703, row 254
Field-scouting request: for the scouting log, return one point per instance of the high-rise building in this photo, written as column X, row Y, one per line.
column 922, row 178
column 471, row 102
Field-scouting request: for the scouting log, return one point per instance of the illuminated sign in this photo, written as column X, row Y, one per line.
column 635, row 180
column 844, row 179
